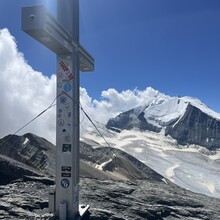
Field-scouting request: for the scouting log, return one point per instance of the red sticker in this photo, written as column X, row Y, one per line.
column 66, row 70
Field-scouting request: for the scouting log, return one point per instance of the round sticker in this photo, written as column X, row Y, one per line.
column 67, row 87
column 59, row 85
column 67, row 105
column 62, row 99
column 61, row 122
column 65, row 183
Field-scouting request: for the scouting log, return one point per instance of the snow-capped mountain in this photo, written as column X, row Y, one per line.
column 178, row 137
column 186, row 119
column 189, row 166
column 156, row 142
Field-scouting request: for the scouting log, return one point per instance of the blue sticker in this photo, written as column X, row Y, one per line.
column 62, row 99
column 65, row 183
column 67, row 87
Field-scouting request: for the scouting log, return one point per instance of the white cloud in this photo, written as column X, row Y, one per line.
column 114, row 103
column 25, row 93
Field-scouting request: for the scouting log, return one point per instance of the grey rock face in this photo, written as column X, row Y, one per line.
column 30, row 150
column 194, row 127
column 129, row 120
column 11, row 170
column 149, row 197
column 115, row 163
column 36, row 156
column 147, row 200
column 112, row 200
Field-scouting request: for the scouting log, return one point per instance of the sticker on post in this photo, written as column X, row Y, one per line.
column 67, row 106
column 65, row 183
column 66, row 168
column 61, row 122
column 66, row 174
column 64, row 131
column 59, row 85
column 62, row 99
column 67, row 87
column 66, row 148
column 66, row 70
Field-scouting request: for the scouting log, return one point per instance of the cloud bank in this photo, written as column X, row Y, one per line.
column 25, row 93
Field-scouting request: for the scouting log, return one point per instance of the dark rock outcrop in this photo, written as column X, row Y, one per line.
column 196, row 127
column 193, row 127
column 144, row 195
column 114, row 200
column 30, row 150
column 129, row 120
column 11, row 170
column 116, row 163
column 150, row 200
column 30, row 155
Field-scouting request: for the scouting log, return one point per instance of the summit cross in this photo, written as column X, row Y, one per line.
column 62, row 37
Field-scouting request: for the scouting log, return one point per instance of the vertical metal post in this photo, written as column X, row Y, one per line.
column 63, row 39
column 67, row 162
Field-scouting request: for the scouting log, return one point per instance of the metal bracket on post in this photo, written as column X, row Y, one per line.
column 63, row 39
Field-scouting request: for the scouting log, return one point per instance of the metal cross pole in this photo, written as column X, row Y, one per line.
column 62, row 37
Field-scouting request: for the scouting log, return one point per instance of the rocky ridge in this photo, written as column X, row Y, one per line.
column 111, row 199
column 146, row 195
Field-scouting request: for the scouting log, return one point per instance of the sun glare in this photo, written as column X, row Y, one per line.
column 51, row 5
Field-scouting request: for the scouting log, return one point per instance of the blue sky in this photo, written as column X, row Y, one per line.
column 170, row 45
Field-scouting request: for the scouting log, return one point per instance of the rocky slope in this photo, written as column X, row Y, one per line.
column 31, row 155
column 114, row 200
column 113, row 183
column 30, row 150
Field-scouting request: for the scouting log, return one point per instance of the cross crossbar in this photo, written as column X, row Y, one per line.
column 42, row 26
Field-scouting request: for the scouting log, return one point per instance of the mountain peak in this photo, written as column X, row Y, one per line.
column 186, row 119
